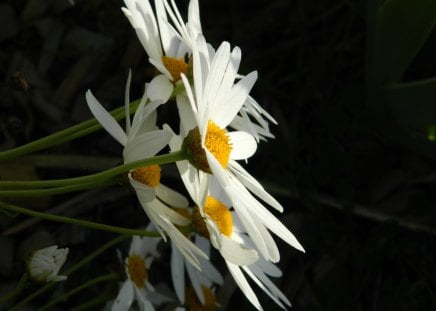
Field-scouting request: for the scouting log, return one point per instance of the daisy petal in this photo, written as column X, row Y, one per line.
column 241, row 281
column 160, row 88
column 236, row 253
column 171, row 197
column 178, row 273
column 105, row 119
column 244, row 145
column 125, row 297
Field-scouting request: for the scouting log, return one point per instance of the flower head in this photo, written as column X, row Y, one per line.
column 44, row 264
column 137, row 286
column 214, row 102
column 142, row 139
column 166, row 41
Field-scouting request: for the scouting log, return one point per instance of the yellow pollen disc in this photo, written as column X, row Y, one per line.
column 217, row 142
column 192, row 302
column 175, row 66
column 137, row 270
column 218, row 212
column 147, row 175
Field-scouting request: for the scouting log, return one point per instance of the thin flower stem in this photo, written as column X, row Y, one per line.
column 18, row 289
column 68, row 134
column 98, row 177
column 99, row 279
column 70, row 271
column 54, row 190
column 91, row 303
column 75, row 221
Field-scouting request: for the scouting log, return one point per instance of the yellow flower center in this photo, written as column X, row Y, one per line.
column 147, row 175
column 217, row 142
column 192, row 302
column 218, row 212
column 175, row 66
column 137, row 270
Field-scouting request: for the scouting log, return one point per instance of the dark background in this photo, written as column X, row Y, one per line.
column 355, row 171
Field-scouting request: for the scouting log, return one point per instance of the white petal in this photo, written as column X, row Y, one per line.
column 194, row 16
column 243, row 145
column 125, row 297
column 216, row 74
column 145, row 193
column 146, row 145
column 178, row 273
column 160, row 88
column 269, row 285
column 187, row 119
column 143, row 302
column 241, row 281
column 273, row 296
column 253, row 185
column 233, row 102
column 127, row 102
column 168, row 214
column 171, row 197
column 236, row 253
column 105, row 119
column 195, row 282
column 160, row 66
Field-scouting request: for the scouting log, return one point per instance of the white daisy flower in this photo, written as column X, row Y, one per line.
column 142, row 140
column 215, row 100
column 223, row 227
column 44, row 264
column 137, row 287
column 168, row 45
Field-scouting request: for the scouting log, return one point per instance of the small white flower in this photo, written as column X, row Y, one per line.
column 142, row 140
column 215, row 100
column 44, row 264
column 137, row 287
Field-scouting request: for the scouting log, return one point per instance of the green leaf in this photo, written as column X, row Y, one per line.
column 402, row 28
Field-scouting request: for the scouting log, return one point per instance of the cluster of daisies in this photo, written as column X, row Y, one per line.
column 220, row 123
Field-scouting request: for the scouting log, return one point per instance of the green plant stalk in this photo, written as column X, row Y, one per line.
column 91, row 303
column 18, row 289
column 70, row 271
column 79, row 222
column 97, row 177
column 54, row 190
column 99, row 279
column 65, row 135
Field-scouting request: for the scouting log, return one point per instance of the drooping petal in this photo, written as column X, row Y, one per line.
column 236, row 253
column 241, row 281
column 125, row 297
column 105, row 119
column 178, row 273
column 160, row 88
column 171, row 197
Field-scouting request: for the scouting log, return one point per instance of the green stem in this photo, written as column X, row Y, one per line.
column 71, row 270
column 99, row 279
column 70, row 133
column 55, row 190
column 91, row 303
column 83, row 223
column 18, row 289
column 98, row 177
